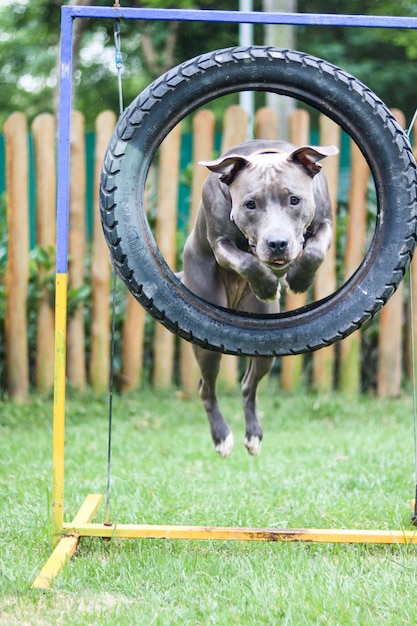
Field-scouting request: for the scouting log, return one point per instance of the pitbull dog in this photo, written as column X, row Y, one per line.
column 265, row 215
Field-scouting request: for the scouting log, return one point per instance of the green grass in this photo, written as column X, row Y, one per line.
column 326, row 462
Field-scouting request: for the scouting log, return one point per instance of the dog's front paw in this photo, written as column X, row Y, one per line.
column 298, row 282
column 265, row 286
column 266, row 293
column 301, row 274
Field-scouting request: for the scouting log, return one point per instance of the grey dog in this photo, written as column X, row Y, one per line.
column 265, row 215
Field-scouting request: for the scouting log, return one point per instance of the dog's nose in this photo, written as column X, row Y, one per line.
column 278, row 244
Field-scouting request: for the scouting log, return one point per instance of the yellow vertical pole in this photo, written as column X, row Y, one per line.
column 59, row 408
column 62, row 220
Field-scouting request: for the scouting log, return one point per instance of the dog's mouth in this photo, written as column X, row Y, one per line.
column 279, row 264
column 275, row 264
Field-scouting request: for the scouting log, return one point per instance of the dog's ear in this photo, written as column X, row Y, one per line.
column 308, row 157
column 227, row 167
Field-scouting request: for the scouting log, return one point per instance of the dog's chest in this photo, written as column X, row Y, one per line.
column 235, row 288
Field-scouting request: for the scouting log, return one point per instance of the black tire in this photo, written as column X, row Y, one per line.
column 353, row 106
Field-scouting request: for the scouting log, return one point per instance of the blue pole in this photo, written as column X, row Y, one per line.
column 252, row 17
column 64, row 122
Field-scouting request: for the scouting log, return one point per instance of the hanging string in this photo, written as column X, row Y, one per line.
column 111, row 379
column 410, row 128
column 413, row 361
column 119, row 67
column 119, row 62
column 413, row 382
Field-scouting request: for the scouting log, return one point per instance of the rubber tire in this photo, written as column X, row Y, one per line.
column 327, row 88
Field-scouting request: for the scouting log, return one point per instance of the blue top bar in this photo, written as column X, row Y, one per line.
column 253, row 17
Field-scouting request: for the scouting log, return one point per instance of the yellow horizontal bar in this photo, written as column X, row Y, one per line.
column 67, row 545
column 145, row 531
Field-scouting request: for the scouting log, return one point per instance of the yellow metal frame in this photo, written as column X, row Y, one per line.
column 66, row 536
column 81, row 526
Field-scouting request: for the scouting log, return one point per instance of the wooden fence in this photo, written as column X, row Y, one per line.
column 331, row 367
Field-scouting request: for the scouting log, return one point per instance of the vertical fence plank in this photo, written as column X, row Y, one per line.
column 390, row 346
column 203, row 146
column 43, row 131
column 266, row 124
column 165, row 235
column 390, row 333
column 133, row 336
column 17, row 272
column 350, row 362
column 292, row 366
column 325, row 283
column 76, row 366
column 235, row 123
column 100, row 316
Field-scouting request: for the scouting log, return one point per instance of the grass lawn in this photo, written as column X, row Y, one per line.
column 326, row 462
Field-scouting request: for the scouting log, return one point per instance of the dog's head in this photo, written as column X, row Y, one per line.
column 272, row 198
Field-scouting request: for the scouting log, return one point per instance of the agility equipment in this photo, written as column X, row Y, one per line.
column 170, row 98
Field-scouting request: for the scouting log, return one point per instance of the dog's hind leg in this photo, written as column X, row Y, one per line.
column 258, row 368
column 209, row 363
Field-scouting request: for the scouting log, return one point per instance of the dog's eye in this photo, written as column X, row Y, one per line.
column 250, row 204
column 294, row 200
